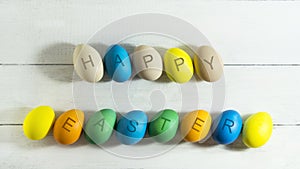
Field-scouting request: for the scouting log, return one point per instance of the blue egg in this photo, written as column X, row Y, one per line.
column 131, row 127
column 227, row 127
column 117, row 63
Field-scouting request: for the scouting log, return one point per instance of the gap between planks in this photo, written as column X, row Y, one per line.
column 228, row 64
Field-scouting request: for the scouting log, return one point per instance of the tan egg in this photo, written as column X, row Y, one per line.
column 208, row 64
column 147, row 62
column 88, row 63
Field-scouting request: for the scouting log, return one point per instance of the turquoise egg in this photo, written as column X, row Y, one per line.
column 131, row 127
column 117, row 63
column 227, row 127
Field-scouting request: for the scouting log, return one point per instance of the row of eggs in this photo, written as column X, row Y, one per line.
column 131, row 127
column 147, row 63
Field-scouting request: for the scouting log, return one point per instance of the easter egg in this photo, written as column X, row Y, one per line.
column 100, row 125
column 131, row 127
column 163, row 126
column 88, row 63
column 117, row 63
column 257, row 130
column 147, row 62
column 68, row 127
column 208, row 64
column 178, row 65
column 38, row 122
column 227, row 127
column 195, row 125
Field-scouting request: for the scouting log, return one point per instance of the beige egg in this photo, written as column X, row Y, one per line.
column 208, row 64
column 88, row 63
column 147, row 62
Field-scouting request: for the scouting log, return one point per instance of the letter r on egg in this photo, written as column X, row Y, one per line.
column 229, row 124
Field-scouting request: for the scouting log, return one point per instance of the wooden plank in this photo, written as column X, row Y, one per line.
column 257, row 40
column 18, row 152
column 241, row 31
column 247, row 89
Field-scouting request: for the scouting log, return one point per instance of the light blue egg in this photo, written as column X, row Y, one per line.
column 227, row 127
column 117, row 63
column 131, row 127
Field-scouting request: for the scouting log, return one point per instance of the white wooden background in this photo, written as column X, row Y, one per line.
column 259, row 43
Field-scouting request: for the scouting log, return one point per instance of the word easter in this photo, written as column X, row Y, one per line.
column 132, row 127
column 148, row 64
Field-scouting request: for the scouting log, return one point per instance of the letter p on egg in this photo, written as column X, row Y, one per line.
column 147, row 59
column 178, row 62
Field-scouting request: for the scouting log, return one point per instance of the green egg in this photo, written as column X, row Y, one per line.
column 163, row 126
column 100, row 126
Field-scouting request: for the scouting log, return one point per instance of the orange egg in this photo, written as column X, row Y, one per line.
column 67, row 128
column 195, row 125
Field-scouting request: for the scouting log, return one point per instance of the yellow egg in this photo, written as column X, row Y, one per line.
column 257, row 130
column 195, row 125
column 38, row 122
column 178, row 65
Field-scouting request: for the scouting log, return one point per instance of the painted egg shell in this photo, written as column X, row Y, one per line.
column 68, row 126
column 227, row 127
column 257, row 130
column 208, row 64
column 178, row 65
column 195, row 126
column 88, row 63
column 117, row 63
column 131, row 127
column 163, row 126
column 100, row 126
column 147, row 62
column 38, row 122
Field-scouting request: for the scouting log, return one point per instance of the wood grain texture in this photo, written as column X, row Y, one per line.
column 258, row 41
column 247, row 89
column 242, row 31
column 18, row 152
